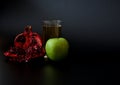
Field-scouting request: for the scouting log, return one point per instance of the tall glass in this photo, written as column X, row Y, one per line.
column 51, row 29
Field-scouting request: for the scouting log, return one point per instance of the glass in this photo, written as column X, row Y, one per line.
column 51, row 29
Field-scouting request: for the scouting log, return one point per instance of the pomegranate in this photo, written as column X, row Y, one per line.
column 27, row 45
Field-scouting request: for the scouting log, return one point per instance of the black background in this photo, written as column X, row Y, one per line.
column 90, row 26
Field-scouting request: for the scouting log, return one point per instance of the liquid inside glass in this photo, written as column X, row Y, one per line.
column 51, row 29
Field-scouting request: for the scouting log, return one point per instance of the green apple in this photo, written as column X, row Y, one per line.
column 57, row 48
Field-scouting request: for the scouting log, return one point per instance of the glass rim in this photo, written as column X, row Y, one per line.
column 52, row 21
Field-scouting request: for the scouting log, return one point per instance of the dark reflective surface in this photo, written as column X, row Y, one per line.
column 69, row 72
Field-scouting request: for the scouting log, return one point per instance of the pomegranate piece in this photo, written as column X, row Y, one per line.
column 27, row 45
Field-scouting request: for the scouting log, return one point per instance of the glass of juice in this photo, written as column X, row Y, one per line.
column 51, row 29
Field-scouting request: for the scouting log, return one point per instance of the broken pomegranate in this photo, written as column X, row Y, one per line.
column 27, row 45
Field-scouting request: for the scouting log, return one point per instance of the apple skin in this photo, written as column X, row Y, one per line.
column 57, row 48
